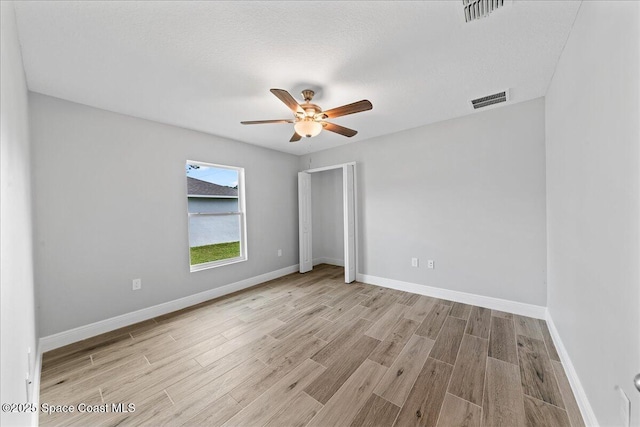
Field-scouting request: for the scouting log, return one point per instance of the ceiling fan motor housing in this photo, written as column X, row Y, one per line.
column 311, row 110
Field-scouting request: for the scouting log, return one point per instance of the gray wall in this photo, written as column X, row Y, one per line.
column 17, row 308
column 132, row 222
column 327, row 217
column 468, row 193
column 593, row 137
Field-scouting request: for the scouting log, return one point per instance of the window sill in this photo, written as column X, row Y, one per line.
column 214, row 264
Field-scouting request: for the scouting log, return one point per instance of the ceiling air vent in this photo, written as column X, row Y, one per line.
column 485, row 101
column 476, row 9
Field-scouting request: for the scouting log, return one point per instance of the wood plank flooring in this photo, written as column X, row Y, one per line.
column 310, row 350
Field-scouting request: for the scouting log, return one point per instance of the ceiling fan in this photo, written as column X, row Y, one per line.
column 309, row 119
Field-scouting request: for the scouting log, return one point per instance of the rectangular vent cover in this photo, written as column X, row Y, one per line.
column 485, row 101
column 476, row 9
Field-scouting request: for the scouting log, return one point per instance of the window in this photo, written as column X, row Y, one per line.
column 216, row 211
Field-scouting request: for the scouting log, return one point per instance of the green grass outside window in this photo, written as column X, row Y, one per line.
column 217, row 252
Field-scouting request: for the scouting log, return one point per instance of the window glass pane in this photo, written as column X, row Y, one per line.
column 215, row 208
column 209, row 205
column 214, row 237
column 211, row 182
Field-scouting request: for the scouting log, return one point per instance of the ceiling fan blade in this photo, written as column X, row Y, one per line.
column 289, row 100
column 260, row 122
column 295, row 137
column 339, row 129
column 356, row 107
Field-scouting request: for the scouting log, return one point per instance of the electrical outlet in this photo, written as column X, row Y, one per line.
column 414, row 262
column 625, row 408
column 137, row 284
column 279, row 252
column 430, row 264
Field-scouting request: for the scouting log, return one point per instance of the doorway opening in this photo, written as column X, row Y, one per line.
column 327, row 218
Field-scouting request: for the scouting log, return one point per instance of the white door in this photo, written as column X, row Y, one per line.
column 304, row 221
column 349, row 224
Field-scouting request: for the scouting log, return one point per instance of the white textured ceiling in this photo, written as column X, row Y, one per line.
column 208, row 65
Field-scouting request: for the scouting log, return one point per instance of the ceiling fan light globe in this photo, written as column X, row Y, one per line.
column 308, row 128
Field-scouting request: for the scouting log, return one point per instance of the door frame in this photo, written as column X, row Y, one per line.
column 343, row 167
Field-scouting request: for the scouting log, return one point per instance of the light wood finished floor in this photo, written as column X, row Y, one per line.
column 309, row 350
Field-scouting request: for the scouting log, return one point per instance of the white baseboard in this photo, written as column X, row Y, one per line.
column 529, row 310
column 331, row 261
column 83, row 332
column 586, row 410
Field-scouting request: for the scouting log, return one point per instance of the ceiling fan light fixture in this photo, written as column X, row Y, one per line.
column 307, row 127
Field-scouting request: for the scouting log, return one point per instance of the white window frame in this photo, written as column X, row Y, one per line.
column 241, row 213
